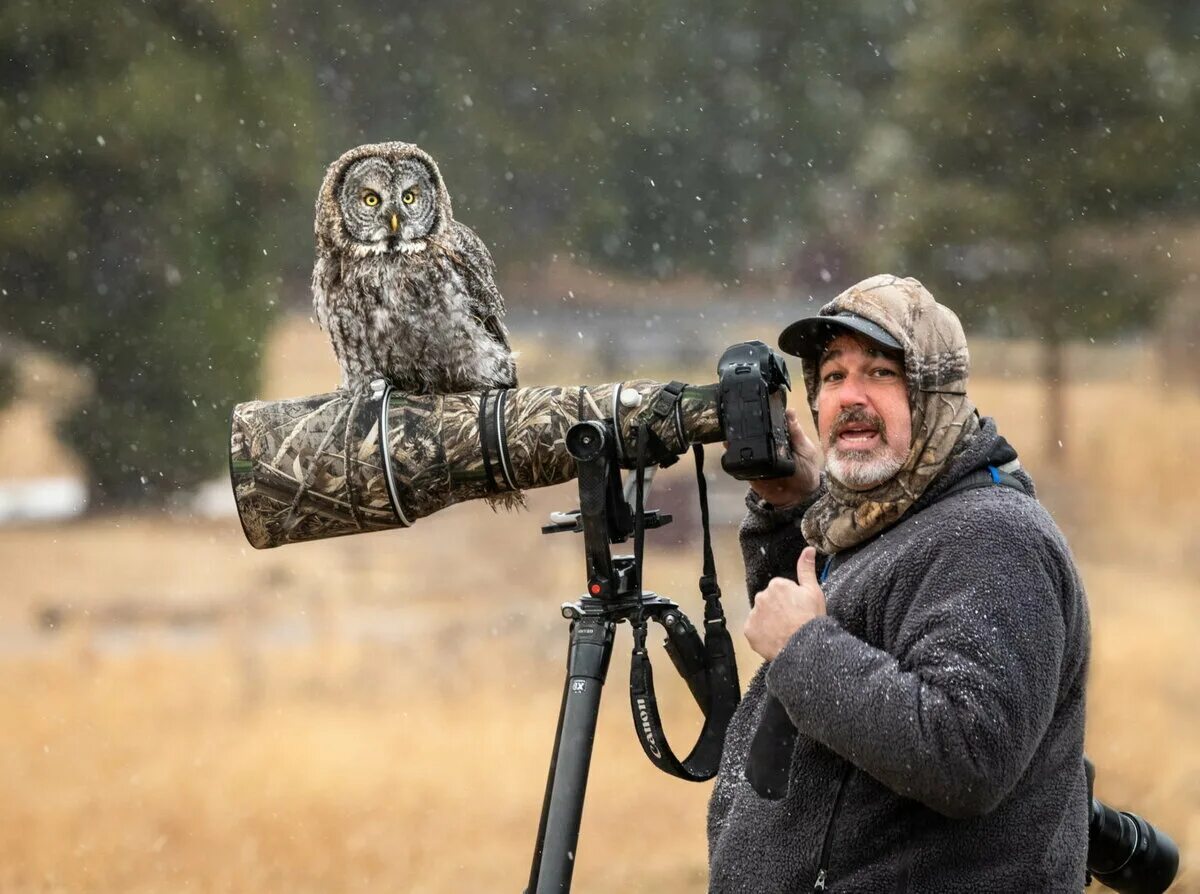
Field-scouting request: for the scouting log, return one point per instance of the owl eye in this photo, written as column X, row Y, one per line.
column 370, row 199
column 409, row 197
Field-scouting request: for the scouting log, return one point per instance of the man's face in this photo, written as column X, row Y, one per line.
column 863, row 418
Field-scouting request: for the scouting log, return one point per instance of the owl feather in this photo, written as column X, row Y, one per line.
column 405, row 292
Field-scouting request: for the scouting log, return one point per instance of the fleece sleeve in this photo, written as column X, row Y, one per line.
column 771, row 540
column 953, row 718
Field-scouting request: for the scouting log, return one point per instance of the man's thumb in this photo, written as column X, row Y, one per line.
column 806, row 567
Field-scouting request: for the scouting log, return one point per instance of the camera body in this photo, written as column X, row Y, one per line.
column 752, row 384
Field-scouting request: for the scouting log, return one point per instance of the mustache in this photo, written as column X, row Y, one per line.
column 857, row 416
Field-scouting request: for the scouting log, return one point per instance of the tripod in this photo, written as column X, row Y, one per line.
column 614, row 595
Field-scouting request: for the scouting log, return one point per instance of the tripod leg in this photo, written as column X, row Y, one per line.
column 541, row 834
column 558, row 833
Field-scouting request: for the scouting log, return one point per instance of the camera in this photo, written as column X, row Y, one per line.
column 1125, row 852
column 349, row 462
column 752, row 381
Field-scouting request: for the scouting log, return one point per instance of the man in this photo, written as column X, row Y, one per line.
column 918, row 722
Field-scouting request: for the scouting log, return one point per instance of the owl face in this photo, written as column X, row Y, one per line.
column 388, row 204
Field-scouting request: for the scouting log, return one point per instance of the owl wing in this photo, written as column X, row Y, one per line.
column 474, row 261
column 326, row 272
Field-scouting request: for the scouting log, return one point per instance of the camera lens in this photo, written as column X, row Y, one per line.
column 1128, row 854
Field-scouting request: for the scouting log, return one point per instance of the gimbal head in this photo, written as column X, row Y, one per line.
column 604, row 515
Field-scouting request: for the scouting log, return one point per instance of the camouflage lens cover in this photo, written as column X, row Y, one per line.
column 312, row 468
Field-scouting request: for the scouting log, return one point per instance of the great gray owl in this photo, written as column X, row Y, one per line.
column 405, row 291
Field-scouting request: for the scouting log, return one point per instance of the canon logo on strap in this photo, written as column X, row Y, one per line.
column 647, row 732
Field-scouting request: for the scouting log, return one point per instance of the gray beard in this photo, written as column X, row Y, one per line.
column 862, row 472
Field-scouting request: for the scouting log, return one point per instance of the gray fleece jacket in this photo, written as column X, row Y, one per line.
column 939, row 704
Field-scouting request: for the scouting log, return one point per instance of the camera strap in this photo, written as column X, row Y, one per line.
column 707, row 665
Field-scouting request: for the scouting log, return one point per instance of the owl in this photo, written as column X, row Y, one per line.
column 405, row 291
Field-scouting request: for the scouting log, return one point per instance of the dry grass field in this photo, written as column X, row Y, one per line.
column 182, row 713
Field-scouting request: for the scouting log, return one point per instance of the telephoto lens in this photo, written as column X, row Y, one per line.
column 1128, row 854
column 350, row 462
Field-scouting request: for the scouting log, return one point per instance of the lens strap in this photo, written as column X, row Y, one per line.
column 708, row 666
column 497, row 467
column 487, row 442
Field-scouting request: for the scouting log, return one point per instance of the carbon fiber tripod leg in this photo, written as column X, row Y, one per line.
column 562, row 809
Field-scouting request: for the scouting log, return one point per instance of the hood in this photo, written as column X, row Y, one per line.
column 936, row 363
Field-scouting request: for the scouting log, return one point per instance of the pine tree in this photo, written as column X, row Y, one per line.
column 146, row 179
column 1020, row 134
column 659, row 137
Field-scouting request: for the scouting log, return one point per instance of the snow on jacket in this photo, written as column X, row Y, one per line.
column 940, row 707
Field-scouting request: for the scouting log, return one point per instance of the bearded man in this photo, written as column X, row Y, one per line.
column 918, row 722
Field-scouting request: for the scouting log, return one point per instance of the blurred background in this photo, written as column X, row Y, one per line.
column 656, row 180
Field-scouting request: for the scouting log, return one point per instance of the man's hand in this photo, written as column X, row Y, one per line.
column 784, row 492
column 784, row 607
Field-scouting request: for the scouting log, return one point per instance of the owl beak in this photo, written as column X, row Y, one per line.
column 395, row 222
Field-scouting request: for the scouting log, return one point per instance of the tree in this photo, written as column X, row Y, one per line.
column 657, row 137
column 146, row 180
column 1020, row 132
column 7, row 383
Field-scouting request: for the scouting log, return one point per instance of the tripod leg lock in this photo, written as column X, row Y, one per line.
column 591, row 648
